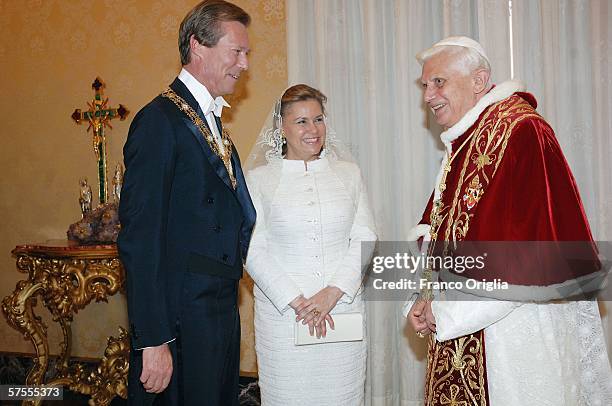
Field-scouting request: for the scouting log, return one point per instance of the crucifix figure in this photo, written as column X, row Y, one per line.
column 99, row 116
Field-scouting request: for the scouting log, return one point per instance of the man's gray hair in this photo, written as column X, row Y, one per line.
column 204, row 23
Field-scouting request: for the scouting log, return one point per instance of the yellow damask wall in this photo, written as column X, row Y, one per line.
column 50, row 52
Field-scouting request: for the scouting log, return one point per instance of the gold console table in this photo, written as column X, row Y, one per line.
column 67, row 277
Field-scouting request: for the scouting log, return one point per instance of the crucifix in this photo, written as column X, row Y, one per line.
column 98, row 116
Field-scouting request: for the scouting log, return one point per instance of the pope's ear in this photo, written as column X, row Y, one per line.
column 480, row 79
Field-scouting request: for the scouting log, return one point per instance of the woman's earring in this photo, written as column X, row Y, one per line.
column 283, row 136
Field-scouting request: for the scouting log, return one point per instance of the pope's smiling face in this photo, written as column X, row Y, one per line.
column 449, row 90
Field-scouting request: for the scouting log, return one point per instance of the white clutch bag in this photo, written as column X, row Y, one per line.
column 348, row 327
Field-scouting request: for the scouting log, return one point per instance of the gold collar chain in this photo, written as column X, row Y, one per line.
column 226, row 155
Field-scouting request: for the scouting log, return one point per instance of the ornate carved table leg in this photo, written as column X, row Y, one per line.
column 18, row 311
column 108, row 380
column 66, row 345
column 67, row 280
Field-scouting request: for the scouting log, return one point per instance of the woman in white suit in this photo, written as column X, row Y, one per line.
column 305, row 254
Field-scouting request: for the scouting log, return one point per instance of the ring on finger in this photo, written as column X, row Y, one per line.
column 420, row 334
column 316, row 313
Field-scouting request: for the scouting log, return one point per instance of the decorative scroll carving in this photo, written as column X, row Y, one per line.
column 108, row 380
column 67, row 278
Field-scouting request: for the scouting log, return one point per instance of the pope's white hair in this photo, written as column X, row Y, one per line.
column 465, row 59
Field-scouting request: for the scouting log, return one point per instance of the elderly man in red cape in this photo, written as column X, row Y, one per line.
column 505, row 179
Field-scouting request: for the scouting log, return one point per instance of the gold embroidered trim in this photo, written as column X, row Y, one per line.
column 487, row 148
column 436, row 219
column 225, row 156
column 456, row 372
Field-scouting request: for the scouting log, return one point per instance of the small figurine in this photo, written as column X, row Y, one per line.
column 85, row 197
column 117, row 182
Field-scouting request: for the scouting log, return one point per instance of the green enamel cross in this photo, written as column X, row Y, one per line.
column 98, row 116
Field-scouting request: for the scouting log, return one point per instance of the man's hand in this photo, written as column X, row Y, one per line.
column 421, row 317
column 156, row 368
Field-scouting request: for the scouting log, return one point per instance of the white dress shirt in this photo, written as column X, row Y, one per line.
column 208, row 105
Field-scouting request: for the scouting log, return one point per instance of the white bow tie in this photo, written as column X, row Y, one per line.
column 216, row 106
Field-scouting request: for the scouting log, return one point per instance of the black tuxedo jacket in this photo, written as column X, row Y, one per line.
column 178, row 213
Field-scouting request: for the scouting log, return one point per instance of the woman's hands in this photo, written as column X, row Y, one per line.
column 315, row 310
column 297, row 302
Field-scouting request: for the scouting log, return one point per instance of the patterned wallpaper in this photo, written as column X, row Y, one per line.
column 50, row 52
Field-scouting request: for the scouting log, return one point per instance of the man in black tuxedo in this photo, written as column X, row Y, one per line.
column 187, row 218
